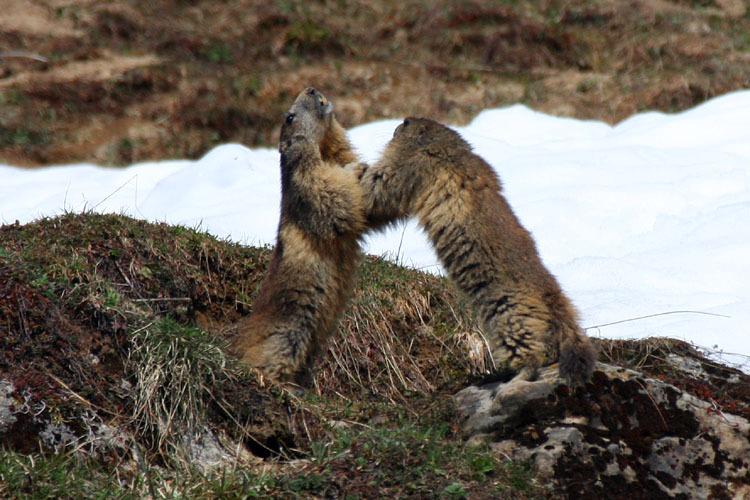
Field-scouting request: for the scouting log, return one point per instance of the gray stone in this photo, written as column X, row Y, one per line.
column 621, row 436
column 7, row 417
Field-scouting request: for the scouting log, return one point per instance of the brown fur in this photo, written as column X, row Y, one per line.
column 429, row 171
column 312, row 115
column 317, row 249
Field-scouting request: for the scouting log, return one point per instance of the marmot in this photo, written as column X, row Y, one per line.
column 317, row 253
column 427, row 170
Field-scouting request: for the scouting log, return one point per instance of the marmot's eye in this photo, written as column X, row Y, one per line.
column 289, row 118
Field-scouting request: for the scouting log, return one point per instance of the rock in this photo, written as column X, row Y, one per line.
column 7, row 417
column 623, row 435
column 205, row 451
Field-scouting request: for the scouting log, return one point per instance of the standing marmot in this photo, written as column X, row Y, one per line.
column 428, row 171
column 317, row 253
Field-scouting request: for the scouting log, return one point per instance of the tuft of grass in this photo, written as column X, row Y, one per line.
column 175, row 369
column 46, row 476
column 219, row 53
column 26, row 138
column 405, row 333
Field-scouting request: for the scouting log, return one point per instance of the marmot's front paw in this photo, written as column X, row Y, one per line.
column 357, row 168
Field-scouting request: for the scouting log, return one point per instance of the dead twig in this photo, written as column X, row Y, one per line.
column 20, row 54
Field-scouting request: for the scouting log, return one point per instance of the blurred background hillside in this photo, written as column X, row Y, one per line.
column 116, row 82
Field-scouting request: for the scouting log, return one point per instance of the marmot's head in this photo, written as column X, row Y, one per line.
column 310, row 116
column 423, row 136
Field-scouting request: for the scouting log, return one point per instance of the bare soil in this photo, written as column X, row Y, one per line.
column 116, row 82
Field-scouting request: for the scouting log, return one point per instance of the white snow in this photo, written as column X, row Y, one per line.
column 649, row 217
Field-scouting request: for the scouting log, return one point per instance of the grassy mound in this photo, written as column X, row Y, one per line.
column 117, row 384
column 113, row 333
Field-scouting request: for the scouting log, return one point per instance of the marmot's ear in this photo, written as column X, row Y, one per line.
column 324, row 105
column 402, row 126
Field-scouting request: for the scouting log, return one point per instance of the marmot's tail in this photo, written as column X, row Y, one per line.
column 577, row 354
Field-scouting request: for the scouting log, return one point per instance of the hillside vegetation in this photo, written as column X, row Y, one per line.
column 112, row 338
column 116, row 384
column 118, row 82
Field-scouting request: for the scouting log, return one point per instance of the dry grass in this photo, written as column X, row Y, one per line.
column 404, row 334
column 175, row 370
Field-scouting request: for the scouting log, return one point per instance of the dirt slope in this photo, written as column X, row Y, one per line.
column 117, row 82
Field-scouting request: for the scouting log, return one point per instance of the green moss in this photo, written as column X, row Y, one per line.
column 42, row 477
column 26, row 138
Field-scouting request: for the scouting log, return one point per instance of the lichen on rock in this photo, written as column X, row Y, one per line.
column 624, row 435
